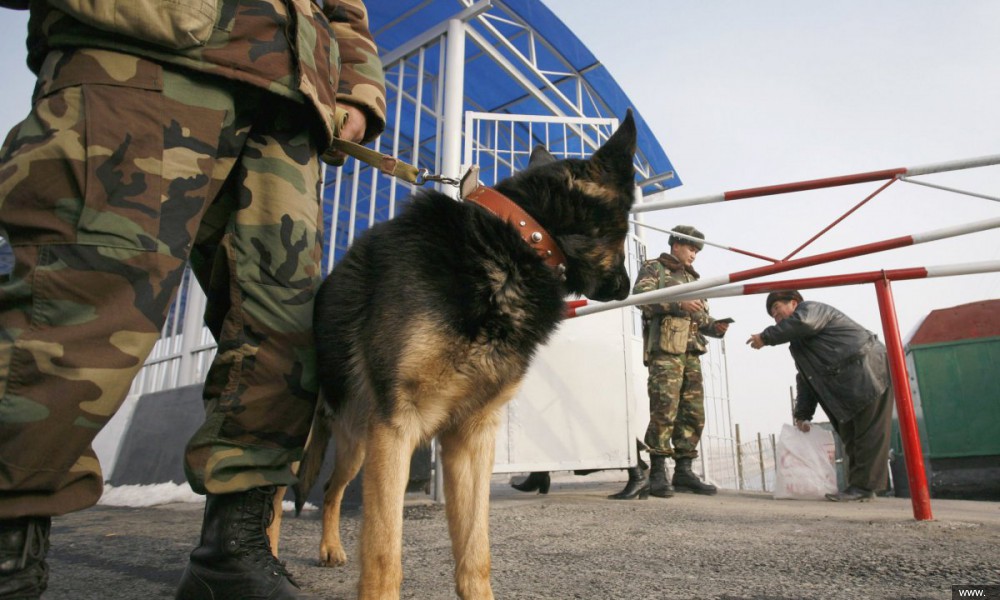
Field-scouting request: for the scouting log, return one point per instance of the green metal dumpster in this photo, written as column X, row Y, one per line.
column 953, row 359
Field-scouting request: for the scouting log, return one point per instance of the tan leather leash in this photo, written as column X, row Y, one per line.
column 390, row 165
column 530, row 230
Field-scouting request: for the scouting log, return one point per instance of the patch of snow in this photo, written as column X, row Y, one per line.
column 137, row 496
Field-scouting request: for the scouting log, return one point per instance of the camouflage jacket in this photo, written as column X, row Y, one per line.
column 317, row 52
column 665, row 271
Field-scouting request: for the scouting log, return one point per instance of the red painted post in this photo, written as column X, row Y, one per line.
column 919, row 493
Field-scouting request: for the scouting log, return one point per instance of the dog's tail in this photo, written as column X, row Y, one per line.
column 312, row 457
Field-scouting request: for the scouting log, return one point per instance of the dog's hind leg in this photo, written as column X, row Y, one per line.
column 349, row 456
column 387, row 469
column 274, row 529
column 467, row 455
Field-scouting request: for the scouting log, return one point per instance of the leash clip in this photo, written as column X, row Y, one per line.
column 465, row 184
column 424, row 178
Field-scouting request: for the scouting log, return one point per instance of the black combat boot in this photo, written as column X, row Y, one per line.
column 536, row 480
column 659, row 477
column 24, row 543
column 686, row 481
column 637, row 485
column 234, row 560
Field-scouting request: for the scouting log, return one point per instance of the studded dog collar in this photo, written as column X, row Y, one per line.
column 531, row 230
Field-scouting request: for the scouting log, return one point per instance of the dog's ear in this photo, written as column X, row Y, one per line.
column 613, row 161
column 540, row 156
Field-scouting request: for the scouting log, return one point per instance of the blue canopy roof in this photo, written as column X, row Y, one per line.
column 557, row 52
column 520, row 59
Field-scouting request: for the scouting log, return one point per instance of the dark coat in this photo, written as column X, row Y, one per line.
column 841, row 365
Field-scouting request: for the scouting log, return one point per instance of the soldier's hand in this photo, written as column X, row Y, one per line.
column 352, row 130
column 692, row 306
column 721, row 327
column 356, row 125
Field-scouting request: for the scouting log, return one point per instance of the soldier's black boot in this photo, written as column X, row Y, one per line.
column 686, row 481
column 24, row 542
column 536, row 480
column 659, row 477
column 234, row 559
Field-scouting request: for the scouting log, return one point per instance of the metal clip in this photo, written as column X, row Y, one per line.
column 423, row 178
column 470, row 181
column 465, row 184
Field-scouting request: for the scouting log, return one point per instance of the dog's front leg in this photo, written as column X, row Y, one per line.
column 467, row 455
column 386, row 472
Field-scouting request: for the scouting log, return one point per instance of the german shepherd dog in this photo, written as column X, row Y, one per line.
column 426, row 328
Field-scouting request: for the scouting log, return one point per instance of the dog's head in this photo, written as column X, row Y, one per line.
column 585, row 205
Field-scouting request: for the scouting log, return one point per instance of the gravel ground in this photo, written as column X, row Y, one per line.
column 573, row 543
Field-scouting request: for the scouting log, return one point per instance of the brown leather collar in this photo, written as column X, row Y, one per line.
column 531, row 231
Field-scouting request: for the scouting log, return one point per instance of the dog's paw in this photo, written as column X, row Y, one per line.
column 332, row 557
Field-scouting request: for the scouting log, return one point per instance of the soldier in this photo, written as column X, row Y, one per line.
column 162, row 133
column 674, row 339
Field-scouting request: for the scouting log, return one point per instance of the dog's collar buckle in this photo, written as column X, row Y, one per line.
column 531, row 231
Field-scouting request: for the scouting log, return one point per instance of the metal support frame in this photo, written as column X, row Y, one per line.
column 920, row 496
column 451, row 158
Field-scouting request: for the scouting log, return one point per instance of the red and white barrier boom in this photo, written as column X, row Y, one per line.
column 901, row 173
column 686, row 290
column 716, row 286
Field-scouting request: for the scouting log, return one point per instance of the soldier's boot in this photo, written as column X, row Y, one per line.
column 637, row 485
column 536, row 481
column 24, row 542
column 686, row 481
column 234, row 559
column 659, row 477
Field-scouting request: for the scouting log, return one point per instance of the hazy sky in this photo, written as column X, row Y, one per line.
column 744, row 94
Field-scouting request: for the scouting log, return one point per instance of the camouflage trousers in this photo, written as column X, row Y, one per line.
column 123, row 172
column 676, row 405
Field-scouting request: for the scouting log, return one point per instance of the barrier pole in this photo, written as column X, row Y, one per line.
column 672, row 292
column 919, row 494
column 653, row 203
column 992, row 266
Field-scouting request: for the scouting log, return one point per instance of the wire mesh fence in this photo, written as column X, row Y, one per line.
column 738, row 464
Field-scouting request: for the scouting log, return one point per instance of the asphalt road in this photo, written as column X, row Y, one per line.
column 573, row 543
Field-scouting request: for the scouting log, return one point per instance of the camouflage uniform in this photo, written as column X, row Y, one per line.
column 134, row 159
column 676, row 395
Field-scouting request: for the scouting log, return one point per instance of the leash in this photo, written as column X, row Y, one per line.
column 494, row 202
column 390, row 165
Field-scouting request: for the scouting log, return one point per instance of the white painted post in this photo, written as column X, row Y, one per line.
column 194, row 318
column 451, row 153
column 454, row 104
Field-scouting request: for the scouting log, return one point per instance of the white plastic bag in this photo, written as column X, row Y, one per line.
column 805, row 468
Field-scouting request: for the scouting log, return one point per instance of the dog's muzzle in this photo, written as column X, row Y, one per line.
column 616, row 287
